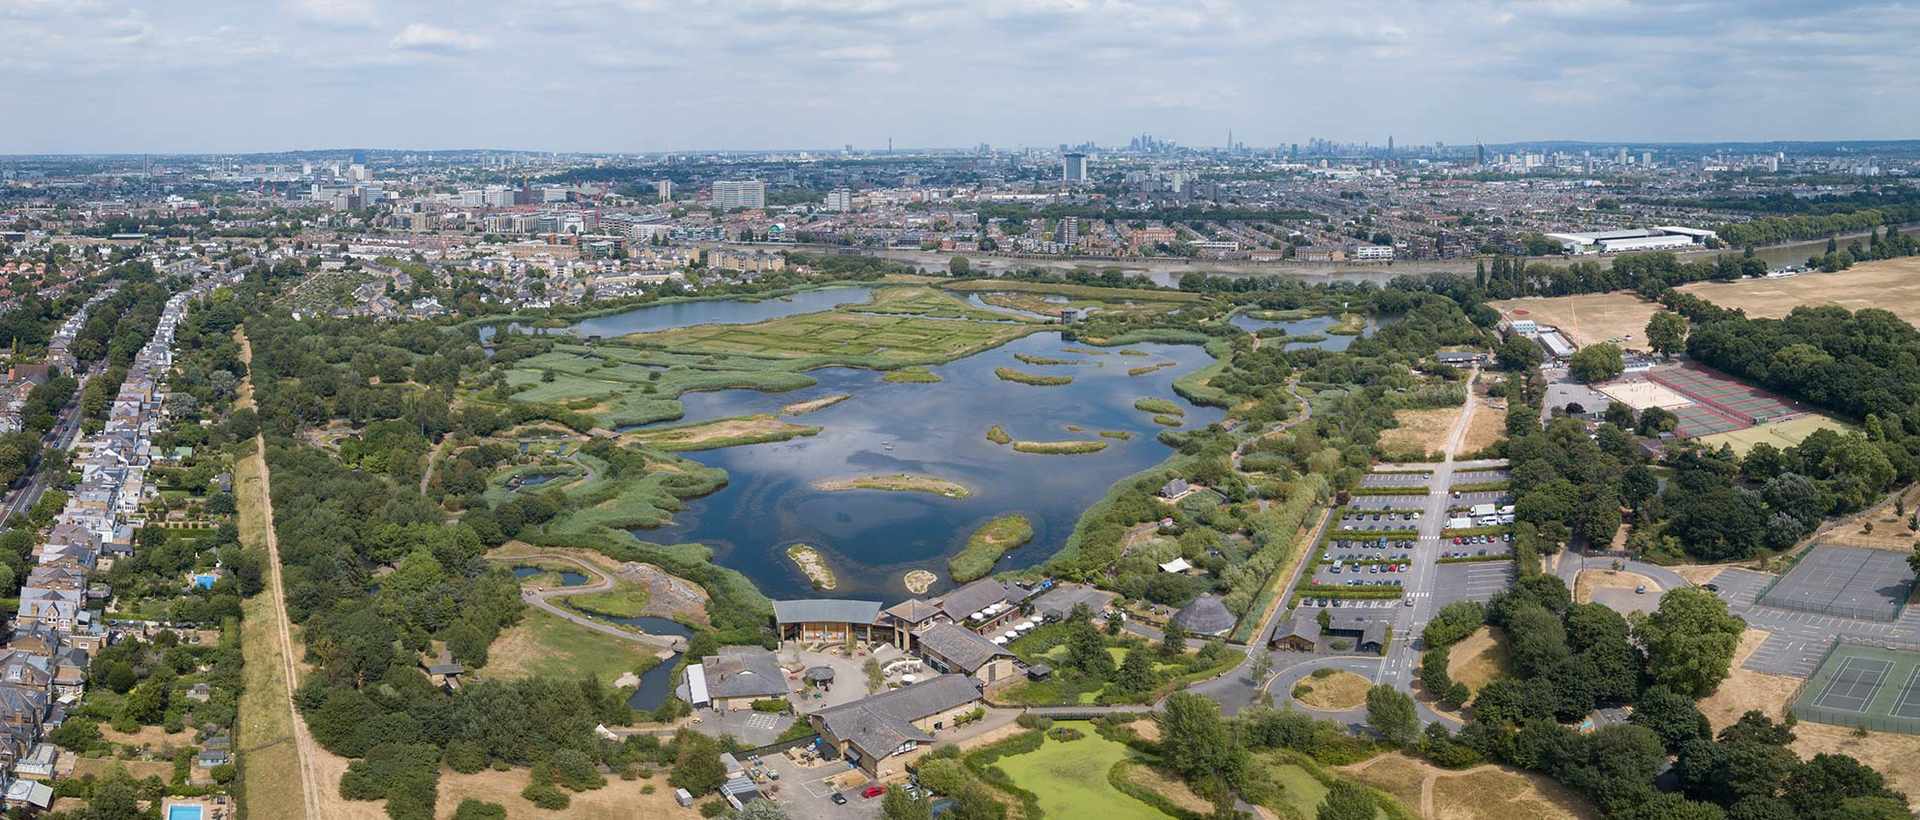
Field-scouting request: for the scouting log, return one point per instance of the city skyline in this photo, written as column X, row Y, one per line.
column 607, row 76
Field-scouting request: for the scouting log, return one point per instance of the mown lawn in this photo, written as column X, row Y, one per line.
column 1071, row 778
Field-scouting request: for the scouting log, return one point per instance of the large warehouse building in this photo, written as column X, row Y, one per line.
column 1665, row 238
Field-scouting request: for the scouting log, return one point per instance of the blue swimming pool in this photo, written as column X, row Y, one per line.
column 184, row 812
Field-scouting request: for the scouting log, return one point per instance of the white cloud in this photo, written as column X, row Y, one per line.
column 437, row 40
column 344, row 14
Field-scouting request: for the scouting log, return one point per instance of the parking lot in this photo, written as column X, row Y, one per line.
column 1481, row 477
column 807, row 793
column 1396, row 479
column 1374, row 503
column 1380, row 522
column 1471, row 582
column 1362, row 575
column 1462, row 501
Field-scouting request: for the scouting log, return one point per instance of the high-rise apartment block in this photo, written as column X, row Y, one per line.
column 1073, row 168
column 746, row 193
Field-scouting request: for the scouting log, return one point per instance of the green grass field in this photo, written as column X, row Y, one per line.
column 1781, row 434
column 1071, row 778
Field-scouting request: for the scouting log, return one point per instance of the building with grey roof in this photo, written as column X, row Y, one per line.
column 1057, row 602
column 951, row 648
column 1207, row 615
column 828, row 620
column 1361, row 631
column 877, row 732
column 735, row 678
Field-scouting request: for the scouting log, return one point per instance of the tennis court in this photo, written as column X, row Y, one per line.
column 1742, row 401
column 1851, row 582
column 1867, row 686
column 1698, row 420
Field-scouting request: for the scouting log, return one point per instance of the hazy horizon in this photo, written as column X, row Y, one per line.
column 642, row 76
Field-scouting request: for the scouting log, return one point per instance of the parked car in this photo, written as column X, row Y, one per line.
column 873, row 791
column 839, row 799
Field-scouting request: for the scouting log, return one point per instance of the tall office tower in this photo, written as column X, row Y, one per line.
column 746, row 193
column 1073, row 168
column 665, row 189
column 1389, row 144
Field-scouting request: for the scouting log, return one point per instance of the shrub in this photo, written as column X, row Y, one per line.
column 1065, row 734
column 548, row 797
column 775, row 705
column 471, row 809
column 1028, row 720
column 713, row 808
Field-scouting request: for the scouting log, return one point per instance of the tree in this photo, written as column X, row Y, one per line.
column 1196, row 741
column 898, row 805
column 1261, row 667
column 959, row 266
column 1390, row 712
column 697, row 767
column 1086, row 651
column 1690, row 641
column 1667, row 333
column 1596, row 363
column 1136, row 673
column 1518, row 353
column 1347, row 801
column 1173, row 643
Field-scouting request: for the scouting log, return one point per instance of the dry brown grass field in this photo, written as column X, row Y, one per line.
column 1478, row 658
column 1479, row 793
column 1339, row 691
column 619, row 799
column 1588, row 318
column 1889, row 284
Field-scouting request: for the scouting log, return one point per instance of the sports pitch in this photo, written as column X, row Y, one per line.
column 1782, row 434
column 1863, row 686
column 1892, row 284
column 1641, row 395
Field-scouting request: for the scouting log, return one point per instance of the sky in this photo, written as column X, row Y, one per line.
column 120, row 76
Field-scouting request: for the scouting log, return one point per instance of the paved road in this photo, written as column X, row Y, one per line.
column 1404, row 655
column 66, row 430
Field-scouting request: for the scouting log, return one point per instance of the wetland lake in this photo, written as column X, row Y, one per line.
column 871, row 538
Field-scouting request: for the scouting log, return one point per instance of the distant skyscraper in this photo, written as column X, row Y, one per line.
column 730, row 194
column 1073, row 168
column 665, row 189
column 1480, row 154
column 1069, row 229
column 1389, row 143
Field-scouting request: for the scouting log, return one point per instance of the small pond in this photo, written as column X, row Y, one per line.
column 568, row 578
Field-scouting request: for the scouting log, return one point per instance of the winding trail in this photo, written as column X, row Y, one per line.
column 537, row 598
